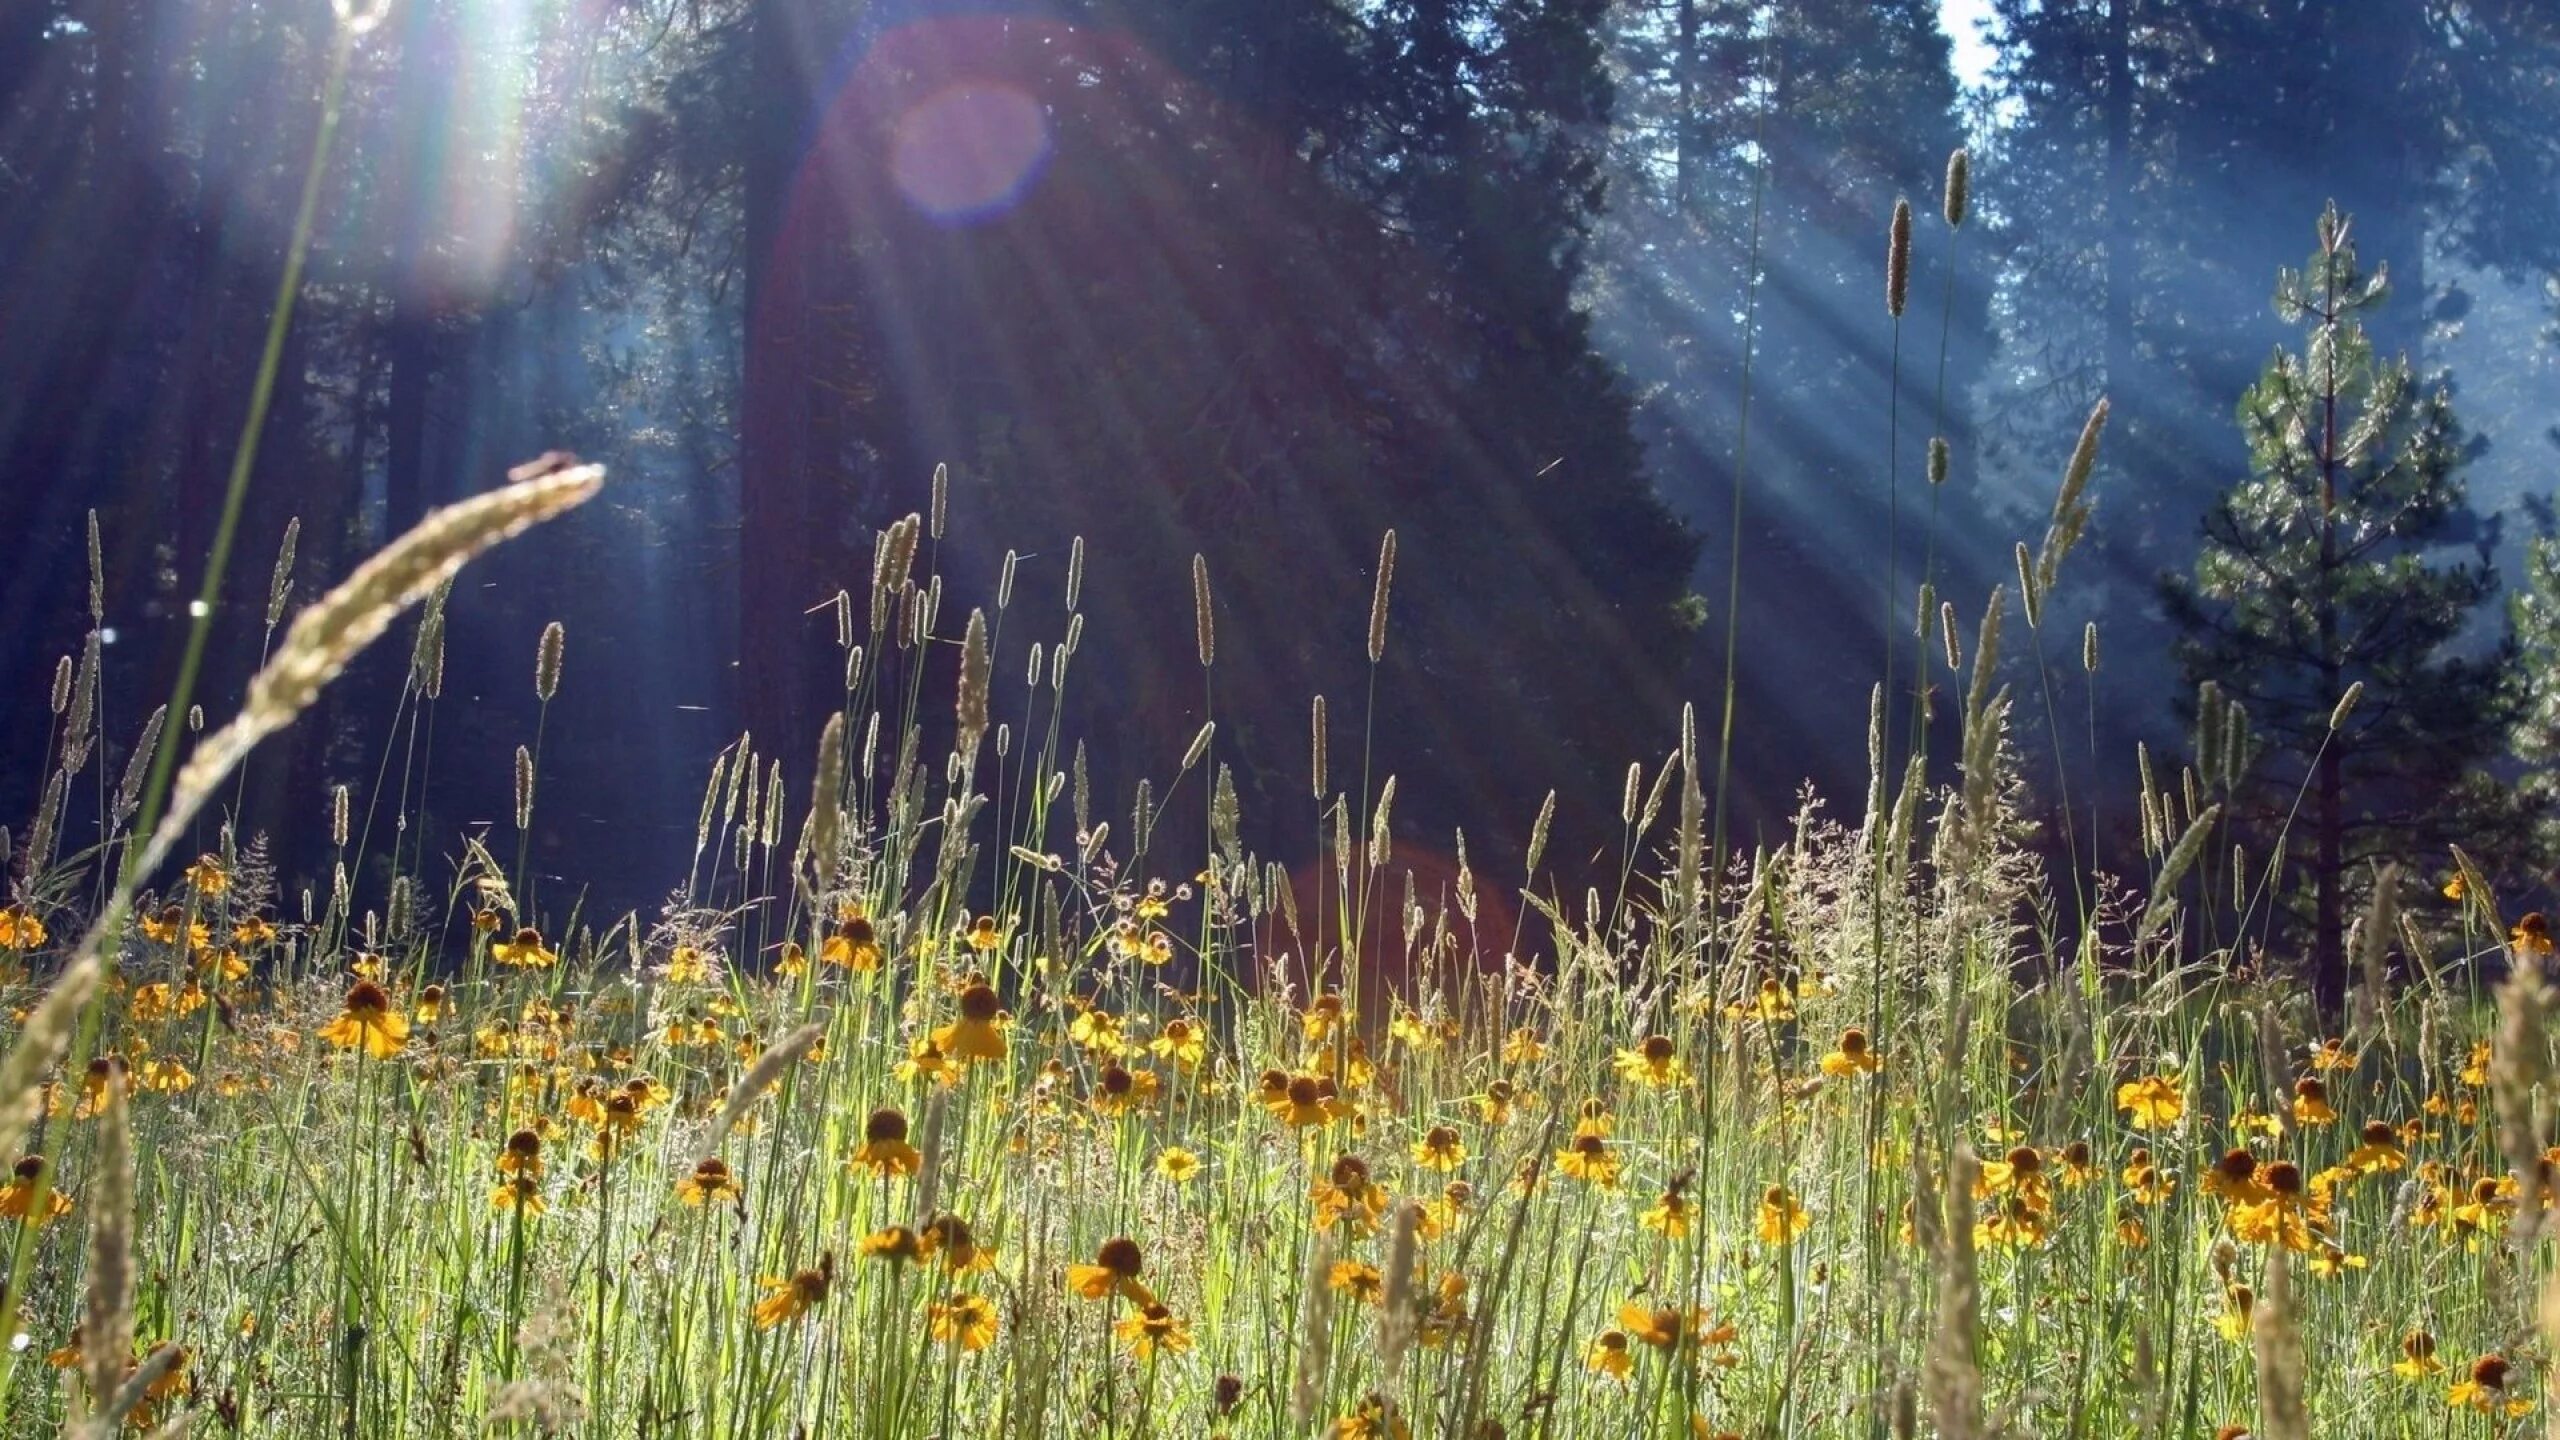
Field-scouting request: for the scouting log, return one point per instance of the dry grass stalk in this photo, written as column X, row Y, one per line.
column 2281, row 1365
column 43, row 1037
column 329, row 634
column 752, row 1085
column 106, row 1327
column 1953, row 1380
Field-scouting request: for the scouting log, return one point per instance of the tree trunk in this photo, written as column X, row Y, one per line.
column 778, row 577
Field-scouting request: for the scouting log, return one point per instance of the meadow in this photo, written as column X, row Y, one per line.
column 958, row 1100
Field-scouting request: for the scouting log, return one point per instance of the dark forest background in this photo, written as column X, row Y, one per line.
column 1252, row 279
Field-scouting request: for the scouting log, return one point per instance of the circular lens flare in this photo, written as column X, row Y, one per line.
column 969, row 150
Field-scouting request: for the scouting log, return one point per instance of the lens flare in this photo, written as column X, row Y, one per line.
column 969, row 150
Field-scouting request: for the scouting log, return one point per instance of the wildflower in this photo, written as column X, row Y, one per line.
column 2486, row 1388
column 1152, row 1331
column 1374, row 1420
column 1306, row 1100
column 1358, row 1279
column 2531, row 935
column 1441, row 1214
column 2075, row 1165
column 2014, row 1221
column 2311, row 1102
column 520, row 1193
column 167, row 1076
column 1852, row 1056
column 18, row 1197
column 1183, row 1042
column 2455, row 888
column 1118, row 1090
column 1669, row 1216
column 2021, row 1171
column 2330, row 1262
column 2280, row 1215
column 2417, row 1357
column 1770, row 1002
column 1608, row 1355
column 686, row 965
column 711, row 1181
column 2484, row 1212
column 2380, row 1149
column 2234, row 1178
column 788, row 1300
column 1177, row 1164
column 925, row 1060
column 1523, row 1047
column 1495, row 1104
column 1590, row 1160
column 368, row 1021
column 2238, row 1304
column 1114, row 1271
column 616, row 1120
column 525, row 952
column 1594, row 1119
column 207, row 875
column 2475, row 1071
column 985, row 935
column 2154, row 1102
column 1414, row 1033
column 1655, row 1064
column 20, row 929
column 1439, row 1149
column 2332, row 1055
column 1321, row 1018
column 1662, row 1328
column 854, row 943
column 894, row 1243
column 1781, row 1218
column 884, row 1150
column 1349, row 1193
column 431, row 1004
column 979, row 1032
column 949, row 1238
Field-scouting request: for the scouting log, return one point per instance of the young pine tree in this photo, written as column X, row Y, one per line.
column 2315, row 575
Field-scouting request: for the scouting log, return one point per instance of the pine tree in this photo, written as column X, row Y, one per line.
column 2313, row 577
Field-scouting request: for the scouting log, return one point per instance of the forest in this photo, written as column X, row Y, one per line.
column 1789, row 717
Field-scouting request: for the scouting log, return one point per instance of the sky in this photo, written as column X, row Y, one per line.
column 1973, row 55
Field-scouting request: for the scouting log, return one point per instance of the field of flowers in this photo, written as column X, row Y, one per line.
column 939, row 1105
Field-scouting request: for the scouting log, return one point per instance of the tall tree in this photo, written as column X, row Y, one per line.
column 2314, row 578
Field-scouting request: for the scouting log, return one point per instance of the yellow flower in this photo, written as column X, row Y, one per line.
column 687, row 965
column 1590, row 1160
column 1357, row 1279
column 788, row 1300
column 1609, row 1355
column 1494, row 1106
column 2155, row 1102
column 854, row 944
column 1414, row 1033
column 1664, row 1327
column 979, row 1032
column 20, row 929
column 1669, row 1216
column 1852, row 1056
column 1182, row 1041
column 1655, row 1064
column 1781, row 1218
column 1177, row 1164
column 1301, row 1101
column 2311, row 1102
column 884, row 1150
column 2417, row 1356
column 1152, row 1331
column 1114, row 1271
column 893, row 1244
column 949, row 1238
column 525, row 952
column 519, row 1193
column 368, row 1021
column 2332, row 1055
column 1374, row 1420
column 2455, row 888
column 925, row 1061
column 710, row 1181
column 2531, row 936
column 1439, row 1149
column 967, row 1321
column 1523, row 1047
column 985, row 935
column 1349, row 1194
column 2239, row 1303
column 207, row 875
column 18, row 1197
column 2486, row 1388
column 2380, row 1150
